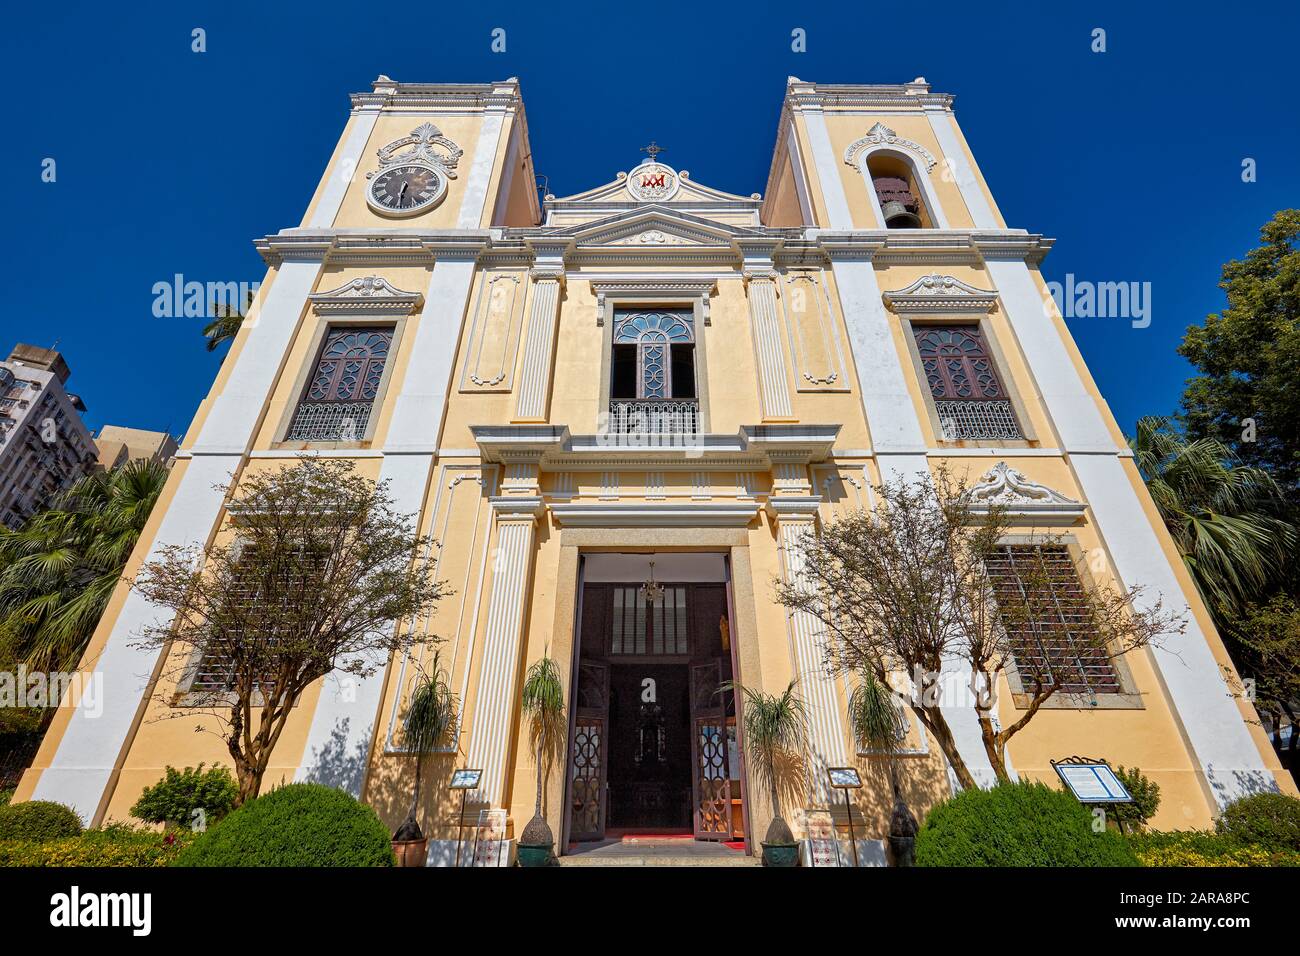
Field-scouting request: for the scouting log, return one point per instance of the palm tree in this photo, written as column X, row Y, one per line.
column 878, row 725
column 225, row 324
column 543, row 702
column 775, row 729
column 58, row 571
column 430, row 722
column 1226, row 518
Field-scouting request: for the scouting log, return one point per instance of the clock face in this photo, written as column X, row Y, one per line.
column 406, row 190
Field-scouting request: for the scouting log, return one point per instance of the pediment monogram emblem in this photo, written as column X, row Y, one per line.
column 653, row 182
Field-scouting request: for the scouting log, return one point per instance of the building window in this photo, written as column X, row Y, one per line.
column 968, row 394
column 652, row 373
column 257, row 588
column 1055, row 647
column 341, row 392
column 649, row 628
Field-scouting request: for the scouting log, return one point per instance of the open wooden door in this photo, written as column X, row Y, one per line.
column 589, row 759
column 711, row 752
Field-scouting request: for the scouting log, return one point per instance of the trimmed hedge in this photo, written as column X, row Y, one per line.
column 38, row 821
column 1205, row 848
column 1268, row 820
column 302, row 824
column 117, row 845
column 1017, row 824
column 6, row 796
column 176, row 798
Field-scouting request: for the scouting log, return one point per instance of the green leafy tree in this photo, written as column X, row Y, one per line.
column 776, row 726
column 315, row 578
column 429, row 723
column 226, row 323
column 1247, row 357
column 58, row 571
column 1225, row 517
column 543, row 702
column 909, row 587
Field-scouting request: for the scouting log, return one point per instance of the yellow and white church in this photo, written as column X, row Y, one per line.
column 657, row 381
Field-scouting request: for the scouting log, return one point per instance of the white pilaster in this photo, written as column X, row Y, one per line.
column 495, row 701
column 797, row 516
column 345, row 170
column 419, row 407
column 1073, row 410
column 941, row 122
column 828, row 169
column 474, row 199
column 90, row 747
column 891, row 413
column 773, row 378
column 535, row 382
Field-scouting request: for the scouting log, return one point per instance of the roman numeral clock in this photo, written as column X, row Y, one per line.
column 413, row 180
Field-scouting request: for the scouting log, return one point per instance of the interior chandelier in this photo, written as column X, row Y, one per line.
column 651, row 591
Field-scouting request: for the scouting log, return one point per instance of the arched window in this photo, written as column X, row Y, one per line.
column 338, row 399
column 654, row 355
column 898, row 193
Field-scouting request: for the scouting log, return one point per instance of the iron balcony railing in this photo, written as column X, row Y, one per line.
column 657, row 416
column 330, row 421
column 963, row 419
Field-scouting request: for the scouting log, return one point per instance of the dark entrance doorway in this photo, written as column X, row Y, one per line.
column 653, row 748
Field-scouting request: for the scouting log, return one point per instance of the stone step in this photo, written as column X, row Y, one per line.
column 648, row 859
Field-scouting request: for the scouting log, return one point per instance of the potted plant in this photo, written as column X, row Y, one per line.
column 543, row 702
column 774, row 729
column 878, row 725
column 430, row 722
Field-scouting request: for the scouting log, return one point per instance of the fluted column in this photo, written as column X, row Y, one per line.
column 535, row 382
column 494, row 704
column 796, row 516
column 772, row 377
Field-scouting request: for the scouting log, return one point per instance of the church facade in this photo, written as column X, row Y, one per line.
column 613, row 411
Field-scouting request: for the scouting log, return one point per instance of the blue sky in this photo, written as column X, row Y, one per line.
column 171, row 161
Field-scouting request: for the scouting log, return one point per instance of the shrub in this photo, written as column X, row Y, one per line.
column 1270, row 820
column 116, row 845
column 302, row 824
column 1205, row 848
column 6, row 796
column 1021, row 824
column 37, row 821
column 1146, row 798
column 183, row 798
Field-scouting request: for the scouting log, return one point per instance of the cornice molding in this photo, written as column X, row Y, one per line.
column 940, row 293
column 368, row 295
column 386, row 93
column 802, row 95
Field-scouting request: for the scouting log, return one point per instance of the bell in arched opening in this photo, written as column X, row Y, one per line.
column 898, row 204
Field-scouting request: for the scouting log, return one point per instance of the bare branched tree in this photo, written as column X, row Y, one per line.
column 920, row 583
column 315, row 577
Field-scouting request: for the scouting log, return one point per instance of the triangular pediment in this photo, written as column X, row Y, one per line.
column 653, row 184
column 654, row 226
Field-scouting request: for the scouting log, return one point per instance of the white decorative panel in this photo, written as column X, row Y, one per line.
column 813, row 331
column 494, row 334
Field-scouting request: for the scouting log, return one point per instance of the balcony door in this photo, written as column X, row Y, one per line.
column 653, row 380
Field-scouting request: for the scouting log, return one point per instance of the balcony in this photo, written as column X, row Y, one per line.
column 654, row 416
column 329, row 421
column 966, row 420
